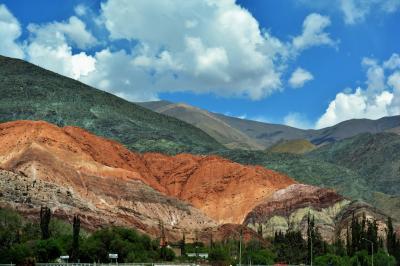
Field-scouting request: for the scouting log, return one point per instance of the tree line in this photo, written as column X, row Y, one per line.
column 26, row 242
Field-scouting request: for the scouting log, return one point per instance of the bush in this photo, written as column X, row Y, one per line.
column 260, row 257
column 219, row 256
column 381, row 258
column 18, row 253
column 331, row 260
column 47, row 250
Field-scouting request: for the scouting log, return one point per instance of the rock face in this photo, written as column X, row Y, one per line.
column 289, row 208
column 224, row 190
column 74, row 171
column 132, row 204
column 361, row 209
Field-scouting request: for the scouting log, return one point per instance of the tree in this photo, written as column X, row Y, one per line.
column 47, row 250
column 75, row 238
column 45, row 216
column 183, row 245
column 331, row 260
column 315, row 244
column 290, row 247
column 390, row 237
column 381, row 258
column 219, row 256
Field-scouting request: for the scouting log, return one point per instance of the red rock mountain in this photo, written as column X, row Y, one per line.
column 79, row 171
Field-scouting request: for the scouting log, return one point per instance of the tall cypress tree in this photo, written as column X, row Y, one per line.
column 183, row 245
column 75, row 238
column 45, row 216
column 390, row 237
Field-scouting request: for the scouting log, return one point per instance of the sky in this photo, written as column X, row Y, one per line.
column 303, row 63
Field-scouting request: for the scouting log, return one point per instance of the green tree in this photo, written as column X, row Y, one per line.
column 45, row 216
column 360, row 258
column 75, row 238
column 219, row 255
column 331, row 260
column 47, row 250
column 10, row 228
column 381, row 258
column 182, row 244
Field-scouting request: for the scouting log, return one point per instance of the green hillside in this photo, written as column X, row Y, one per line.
column 32, row 93
column 306, row 170
column 314, row 171
column 375, row 157
column 296, row 146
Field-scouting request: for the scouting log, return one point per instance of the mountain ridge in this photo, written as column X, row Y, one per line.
column 265, row 135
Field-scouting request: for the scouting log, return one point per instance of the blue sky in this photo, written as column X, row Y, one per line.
column 303, row 63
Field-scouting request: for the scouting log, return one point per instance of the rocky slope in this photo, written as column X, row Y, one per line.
column 129, row 203
column 79, row 171
column 288, row 209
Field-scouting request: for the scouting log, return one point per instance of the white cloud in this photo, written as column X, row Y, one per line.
column 297, row 120
column 215, row 46
column 50, row 46
column 313, row 33
column 61, row 60
column 299, row 77
column 375, row 76
column 393, row 62
column 394, row 82
column 199, row 46
column 10, row 31
column 356, row 11
column 378, row 99
column 212, row 46
column 80, row 10
column 73, row 31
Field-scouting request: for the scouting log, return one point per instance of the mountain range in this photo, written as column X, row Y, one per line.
column 82, row 150
column 247, row 134
column 75, row 172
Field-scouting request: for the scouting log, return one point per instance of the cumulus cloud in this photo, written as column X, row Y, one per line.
column 202, row 46
column 10, row 31
column 394, row 82
column 299, row 77
column 50, row 46
column 74, row 31
column 379, row 98
column 313, row 33
column 297, row 120
column 199, row 46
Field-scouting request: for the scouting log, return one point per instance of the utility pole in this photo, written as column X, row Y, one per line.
column 372, row 245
